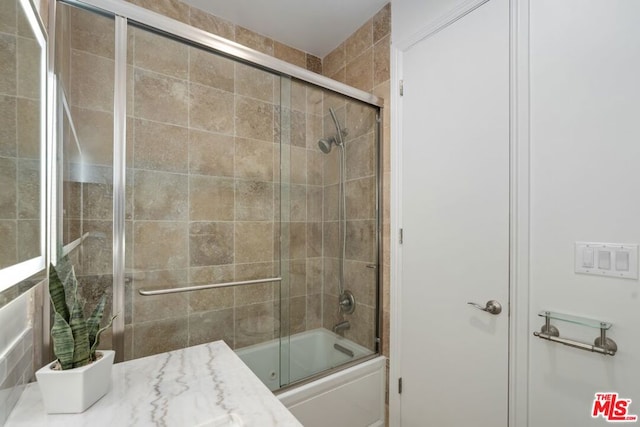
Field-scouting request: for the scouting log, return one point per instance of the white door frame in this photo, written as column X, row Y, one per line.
column 519, row 331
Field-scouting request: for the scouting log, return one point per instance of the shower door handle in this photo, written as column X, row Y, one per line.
column 492, row 307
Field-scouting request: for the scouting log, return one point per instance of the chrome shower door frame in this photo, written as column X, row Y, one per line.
column 123, row 13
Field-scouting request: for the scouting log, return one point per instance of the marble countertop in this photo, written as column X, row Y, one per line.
column 206, row 385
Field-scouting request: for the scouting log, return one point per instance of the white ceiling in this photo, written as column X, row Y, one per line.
column 314, row 26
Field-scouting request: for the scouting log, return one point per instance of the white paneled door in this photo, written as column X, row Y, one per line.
column 455, row 220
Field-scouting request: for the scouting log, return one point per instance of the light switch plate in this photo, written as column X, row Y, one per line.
column 607, row 259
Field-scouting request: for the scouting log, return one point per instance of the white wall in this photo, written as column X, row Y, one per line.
column 410, row 16
column 585, row 186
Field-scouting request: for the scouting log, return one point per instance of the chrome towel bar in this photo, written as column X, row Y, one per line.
column 575, row 344
column 147, row 293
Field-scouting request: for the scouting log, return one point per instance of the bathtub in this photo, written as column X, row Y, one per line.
column 351, row 397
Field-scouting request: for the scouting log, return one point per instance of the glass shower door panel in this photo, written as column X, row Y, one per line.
column 333, row 238
column 202, row 192
column 84, row 67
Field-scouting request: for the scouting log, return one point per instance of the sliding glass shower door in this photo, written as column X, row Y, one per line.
column 213, row 199
column 203, row 197
column 203, row 186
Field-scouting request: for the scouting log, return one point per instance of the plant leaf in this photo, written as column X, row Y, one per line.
column 81, row 353
column 67, row 275
column 62, row 338
column 57, row 293
column 97, row 341
column 93, row 322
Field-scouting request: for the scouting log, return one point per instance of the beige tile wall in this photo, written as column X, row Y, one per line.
column 182, row 161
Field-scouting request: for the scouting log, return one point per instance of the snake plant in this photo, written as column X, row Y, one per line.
column 75, row 338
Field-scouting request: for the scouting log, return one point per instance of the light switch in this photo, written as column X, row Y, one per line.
column 622, row 260
column 587, row 258
column 604, row 260
column 607, row 259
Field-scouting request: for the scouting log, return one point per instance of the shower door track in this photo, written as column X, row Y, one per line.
column 183, row 31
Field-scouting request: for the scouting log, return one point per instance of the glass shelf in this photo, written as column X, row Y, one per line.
column 590, row 323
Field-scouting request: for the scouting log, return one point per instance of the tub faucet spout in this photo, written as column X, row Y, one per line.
column 341, row 326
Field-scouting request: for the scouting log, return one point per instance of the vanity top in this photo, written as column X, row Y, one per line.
column 206, row 385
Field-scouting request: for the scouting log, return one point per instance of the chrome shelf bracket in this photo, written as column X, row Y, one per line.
column 601, row 344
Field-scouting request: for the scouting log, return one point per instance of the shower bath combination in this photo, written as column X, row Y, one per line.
column 346, row 299
column 196, row 225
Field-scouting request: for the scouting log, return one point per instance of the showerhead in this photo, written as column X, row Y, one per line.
column 325, row 144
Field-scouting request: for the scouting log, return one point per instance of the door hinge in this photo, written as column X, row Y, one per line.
column 401, row 87
column 400, row 385
column 401, row 236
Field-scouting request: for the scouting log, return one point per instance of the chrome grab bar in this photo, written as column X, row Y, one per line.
column 203, row 287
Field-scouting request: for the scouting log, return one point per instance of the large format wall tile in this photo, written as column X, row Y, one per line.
column 8, row 15
column 159, row 336
column 160, row 196
column 28, row 67
column 211, row 198
column 254, row 119
column 160, row 245
column 161, row 98
column 160, row 147
column 210, row 109
column 210, row 69
column 254, row 201
column 28, row 128
column 363, row 149
column 91, row 81
column 254, row 83
column 359, row 72
column 250, row 156
column 8, row 250
column 8, row 64
column 211, row 154
column 253, row 241
column 361, row 198
column 212, row 24
column 9, row 194
column 91, row 33
column 253, row 40
column 209, row 326
column 211, row 243
column 254, row 324
column 95, row 134
column 160, row 54
column 172, row 8
column 8, row 126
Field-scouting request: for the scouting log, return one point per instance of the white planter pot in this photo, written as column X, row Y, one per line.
column 74, row 390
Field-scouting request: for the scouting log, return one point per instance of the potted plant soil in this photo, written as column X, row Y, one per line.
column 80, row 375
